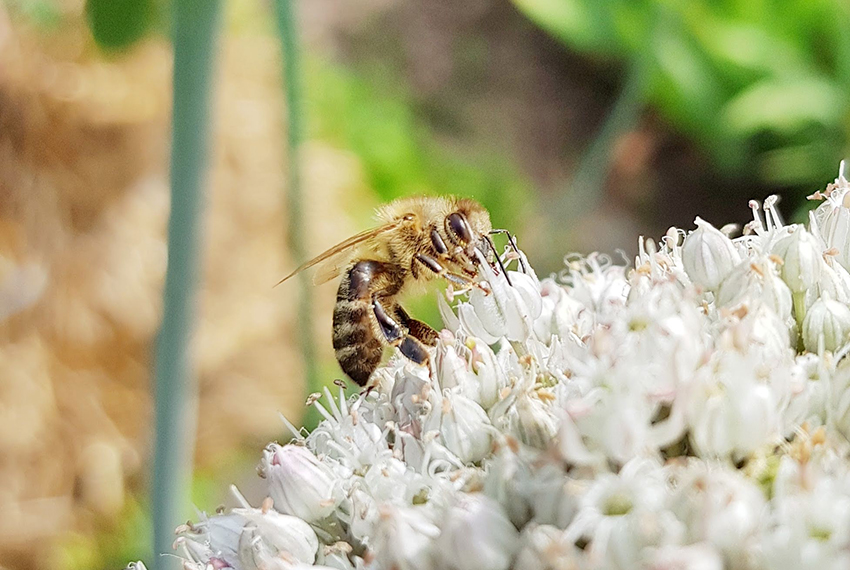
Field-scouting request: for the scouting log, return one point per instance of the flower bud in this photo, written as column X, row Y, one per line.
column 299, row 483
column 699, row 556
column 829, row 320
column 808, row 386
column 833, row 221
column 835, row 281
column 736, row 286
column 547, row 548
column 554, row 498
column 404, row 539
column 545, row 326
column 838, row 402
column 730, row 412
column 708, row 255
column 802, row 260
column 507, row 310
column 572, row 317
column 775, row 294
column 283, row 534
column 453, row 371
column 533, row 422
column 479, row 323
column 508, row 480
column 247, row 538
column 491, row 377
column 223, row 532
column 464, row 428
column 719, row 506
column 756, row 283
column 477, row 535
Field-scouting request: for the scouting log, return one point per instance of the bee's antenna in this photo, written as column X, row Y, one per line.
column 513, row 246
column 498, row 259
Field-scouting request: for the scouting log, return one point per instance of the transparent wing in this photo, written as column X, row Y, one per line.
column 333, row 261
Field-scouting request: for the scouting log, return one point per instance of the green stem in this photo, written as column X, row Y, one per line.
column 586, row 188
column 799, row 300
column 195, row 30
column 287, row 30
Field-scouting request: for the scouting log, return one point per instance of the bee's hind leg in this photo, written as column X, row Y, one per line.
column 421, row 331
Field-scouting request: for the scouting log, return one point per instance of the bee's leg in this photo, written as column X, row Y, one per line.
column 416, row 328
column 439, row 245
column 396, row 335
column 391, row 329
column 512, row 243
column 434, row 266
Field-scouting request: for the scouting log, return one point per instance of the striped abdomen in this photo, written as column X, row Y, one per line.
column 357, row 347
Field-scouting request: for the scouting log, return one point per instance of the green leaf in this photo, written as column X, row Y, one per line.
column 117, row 24
column 785, row 106
column 685, row 85
column 585, row 24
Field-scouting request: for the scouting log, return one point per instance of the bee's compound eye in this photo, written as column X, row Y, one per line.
column 459, row 228
column 409, row 217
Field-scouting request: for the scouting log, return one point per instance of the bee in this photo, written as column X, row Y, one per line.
column 420, row 239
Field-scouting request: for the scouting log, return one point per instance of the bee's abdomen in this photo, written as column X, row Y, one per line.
column 357, row 349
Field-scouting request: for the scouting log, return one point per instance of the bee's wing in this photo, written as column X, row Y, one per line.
column 333, row 261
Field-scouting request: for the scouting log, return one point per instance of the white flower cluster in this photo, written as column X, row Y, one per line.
column 690, row 413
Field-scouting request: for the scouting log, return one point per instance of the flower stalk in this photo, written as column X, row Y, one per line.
column 195, row 32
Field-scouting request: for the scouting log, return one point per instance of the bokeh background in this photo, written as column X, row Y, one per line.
column 580, row 124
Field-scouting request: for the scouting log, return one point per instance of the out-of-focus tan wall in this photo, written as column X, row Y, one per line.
column 83, row 211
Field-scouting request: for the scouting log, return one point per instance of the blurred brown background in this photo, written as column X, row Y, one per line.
column 403, row 96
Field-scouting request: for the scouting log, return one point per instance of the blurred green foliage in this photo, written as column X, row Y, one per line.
column 375, row 119
column 43, row 13
column 760, row 84
column 111, row 545
column 117, row 24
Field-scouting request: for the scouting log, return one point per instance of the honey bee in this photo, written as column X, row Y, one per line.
column 421, row 238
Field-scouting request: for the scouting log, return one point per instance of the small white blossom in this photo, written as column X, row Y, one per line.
column 802, row 260
column 299, row 483
column 404, row 538
column 832, row 220
column 476, row 535
column 731, row 412
column 708, row 255
column 827, row 321
column 463, row 426
column 548, row 548
column 719, row 506
column 698, row 556
column 531, row 421
column 491, row 379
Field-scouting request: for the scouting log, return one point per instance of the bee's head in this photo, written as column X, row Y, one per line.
column 468, row 227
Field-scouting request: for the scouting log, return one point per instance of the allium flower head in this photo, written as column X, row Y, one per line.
column 690, row 412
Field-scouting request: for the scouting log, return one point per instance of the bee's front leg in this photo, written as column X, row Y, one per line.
column 462, row 280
